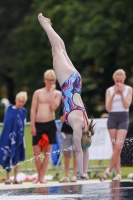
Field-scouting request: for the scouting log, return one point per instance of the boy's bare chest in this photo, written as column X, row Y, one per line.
column 45, row 97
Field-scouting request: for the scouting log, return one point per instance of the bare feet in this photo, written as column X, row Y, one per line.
column 35, row 181
column 43, row 181
column 43, row 21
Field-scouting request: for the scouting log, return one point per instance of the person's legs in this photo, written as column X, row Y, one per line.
column 74, row 164
column 67, row 145
column 37, row 161
column 85, row 160
column 121, row 135
column 120, row 138
column 67, row 162
column 7, row 181
column 113, row 133
column 7, row 175
column 124, row 132
column 44, row 165
column 118, row 145
column 61, row 63
column 76, row 121
column 66, row 166
column 74, row 175
column 15, row 172
column 118, row 165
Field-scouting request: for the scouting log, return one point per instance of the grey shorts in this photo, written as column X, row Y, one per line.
column 67, row 143
column 118, row 120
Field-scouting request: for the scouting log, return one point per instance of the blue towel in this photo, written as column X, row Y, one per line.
column 12, row 150
column 55, row 152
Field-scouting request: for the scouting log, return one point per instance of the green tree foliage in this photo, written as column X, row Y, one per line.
column 98, row 38
column 12, row 13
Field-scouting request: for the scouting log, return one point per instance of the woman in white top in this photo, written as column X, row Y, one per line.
column 118, row 100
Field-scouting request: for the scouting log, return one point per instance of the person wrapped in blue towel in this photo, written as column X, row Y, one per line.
column 12, row 150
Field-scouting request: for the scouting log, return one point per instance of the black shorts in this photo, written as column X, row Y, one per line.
column 45, row 127
column 118, row 120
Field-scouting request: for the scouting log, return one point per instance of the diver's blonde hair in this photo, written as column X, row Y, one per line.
column 50, row 74
column 22, row 96
column 119, row 72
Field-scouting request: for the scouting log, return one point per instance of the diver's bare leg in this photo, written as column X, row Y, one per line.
column 61, row 62
column 62, row 68
column 44, row 22
column 65, row 54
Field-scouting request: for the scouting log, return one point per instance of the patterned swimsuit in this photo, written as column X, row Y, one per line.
column 71, row 86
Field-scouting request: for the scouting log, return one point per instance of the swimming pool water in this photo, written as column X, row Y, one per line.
column 95, row 191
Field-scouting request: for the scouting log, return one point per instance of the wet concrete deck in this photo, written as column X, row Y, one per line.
column 80, row 190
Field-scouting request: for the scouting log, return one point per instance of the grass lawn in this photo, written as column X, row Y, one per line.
column 29, row 163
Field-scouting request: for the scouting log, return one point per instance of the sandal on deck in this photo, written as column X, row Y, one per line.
column 64, row 180
column 84, row 177
column 17, row 182
column 105, row 175
column 8, row 182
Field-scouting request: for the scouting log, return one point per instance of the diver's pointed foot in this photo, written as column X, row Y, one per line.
column 43, row 20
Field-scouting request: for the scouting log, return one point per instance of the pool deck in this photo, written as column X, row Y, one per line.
column 26, row 185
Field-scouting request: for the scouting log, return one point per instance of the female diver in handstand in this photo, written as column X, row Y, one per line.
column 70, row 83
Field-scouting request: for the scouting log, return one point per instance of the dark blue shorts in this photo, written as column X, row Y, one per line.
column 118, row 120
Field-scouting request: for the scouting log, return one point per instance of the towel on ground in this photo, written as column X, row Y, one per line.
column 12, row 150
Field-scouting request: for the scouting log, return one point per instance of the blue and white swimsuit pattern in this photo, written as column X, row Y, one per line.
column 71, row 86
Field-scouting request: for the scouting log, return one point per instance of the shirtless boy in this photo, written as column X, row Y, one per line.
column 45, row 101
